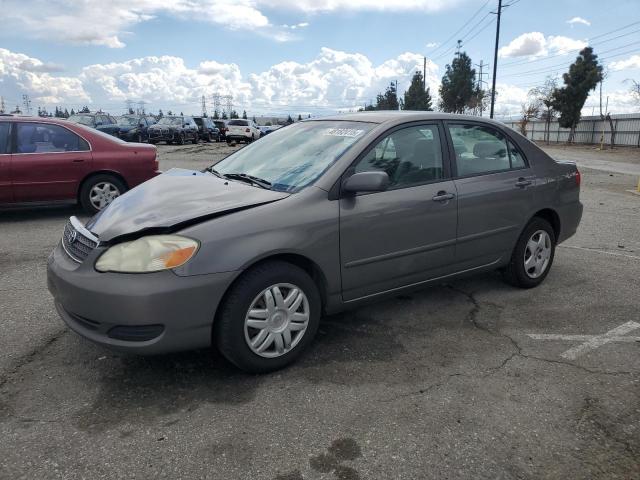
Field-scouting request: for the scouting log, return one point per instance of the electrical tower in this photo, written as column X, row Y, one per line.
column 228, row 103
column 141, row 110
column 204, row 106
column 26, row 102
column 481, row 81
column 216, row 103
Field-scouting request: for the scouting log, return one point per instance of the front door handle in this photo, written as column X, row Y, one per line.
column 523, row 182
column 442, row 196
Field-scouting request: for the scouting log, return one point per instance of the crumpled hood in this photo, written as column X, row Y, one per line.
column 176, row 198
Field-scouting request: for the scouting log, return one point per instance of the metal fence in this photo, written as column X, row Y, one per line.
column 589, row 130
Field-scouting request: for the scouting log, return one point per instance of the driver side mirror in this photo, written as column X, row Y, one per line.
column 366, row 182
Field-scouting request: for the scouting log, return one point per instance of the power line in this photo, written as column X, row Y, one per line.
column 446, row 42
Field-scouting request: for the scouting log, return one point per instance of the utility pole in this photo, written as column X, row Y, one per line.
column 397, row 97
column 458, row 46
column 424, row 74
column 1, row 104
column 495, row 60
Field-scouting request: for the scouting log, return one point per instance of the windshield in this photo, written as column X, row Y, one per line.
column 82, row 119
column 170, row 121
column 127, row 121
column 293, row 157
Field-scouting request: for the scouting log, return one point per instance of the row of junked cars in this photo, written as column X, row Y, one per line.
column 172, row 129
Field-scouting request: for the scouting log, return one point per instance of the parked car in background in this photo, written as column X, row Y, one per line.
column 314, row 218
column 178, row 129
column 241, row 130
column 207, row 129
column 48, row 160
column 264, row 129
column 100, row 121
column 134, row 128
column 222, row 126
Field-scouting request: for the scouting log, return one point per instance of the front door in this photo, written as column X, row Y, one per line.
column 406, row 234
column 6, row 195
column 495, row 193
column 48, row 162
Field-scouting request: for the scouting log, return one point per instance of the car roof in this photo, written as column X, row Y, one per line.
column 401, row 116
column 31, row 118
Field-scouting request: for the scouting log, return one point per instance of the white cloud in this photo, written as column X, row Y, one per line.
column 535, row 44
column 580, row 20
column 107, row 23
column 633, row 62
column 20, row 74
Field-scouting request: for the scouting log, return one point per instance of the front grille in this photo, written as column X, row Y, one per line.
column 77, row 242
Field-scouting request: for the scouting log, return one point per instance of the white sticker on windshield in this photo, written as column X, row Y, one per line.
column 343, row 132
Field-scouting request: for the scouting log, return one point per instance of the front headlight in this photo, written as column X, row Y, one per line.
column 148, row 254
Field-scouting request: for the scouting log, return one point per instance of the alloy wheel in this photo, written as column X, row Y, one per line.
column 537, row 254
column 276, row 320
column 102, row 194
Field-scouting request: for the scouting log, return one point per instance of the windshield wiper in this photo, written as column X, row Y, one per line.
column 245, row 177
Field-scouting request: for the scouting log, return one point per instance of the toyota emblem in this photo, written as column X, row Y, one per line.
column 71, row 236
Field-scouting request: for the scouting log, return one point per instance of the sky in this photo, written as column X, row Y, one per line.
column 278, row 57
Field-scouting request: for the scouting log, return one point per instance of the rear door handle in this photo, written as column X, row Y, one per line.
column 442, row 196
column 78, row 160
column 523, row 182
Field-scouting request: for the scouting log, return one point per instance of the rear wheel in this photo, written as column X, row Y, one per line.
column 532, row 256
column 99, row 191
column 181, row 139
column 268, row 318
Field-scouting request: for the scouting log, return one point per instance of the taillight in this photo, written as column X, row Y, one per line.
column 578, row 177
column 247, row 130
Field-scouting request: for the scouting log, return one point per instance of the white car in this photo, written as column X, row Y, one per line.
column 240, row 130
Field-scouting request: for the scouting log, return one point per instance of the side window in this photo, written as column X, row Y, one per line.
column 43, row 138
column 4, row 137
column 410, row 156
column 517, row 161
column 479, row 149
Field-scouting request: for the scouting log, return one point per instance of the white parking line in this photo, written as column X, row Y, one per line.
column 596, row 250
column 591, row 342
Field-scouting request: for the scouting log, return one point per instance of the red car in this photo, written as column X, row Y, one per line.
column 47, row 160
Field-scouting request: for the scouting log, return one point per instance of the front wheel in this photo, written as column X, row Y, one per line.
column 99, row 191
column 195, row 138
column 268, row 318
column 532, row 256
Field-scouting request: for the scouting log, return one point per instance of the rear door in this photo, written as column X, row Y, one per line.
column 495, row 192
column 6, row 195
column 406, row 234
column 48, row 162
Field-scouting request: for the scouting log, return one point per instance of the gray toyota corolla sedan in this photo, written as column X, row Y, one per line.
column 313, row 218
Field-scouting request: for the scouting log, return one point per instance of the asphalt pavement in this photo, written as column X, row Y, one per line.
column 471, row 379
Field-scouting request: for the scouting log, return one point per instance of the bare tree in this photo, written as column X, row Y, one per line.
column 530, row 109
column 635, row 90
column 544, row 94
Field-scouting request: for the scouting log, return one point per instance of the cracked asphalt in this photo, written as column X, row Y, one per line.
column 440, row 383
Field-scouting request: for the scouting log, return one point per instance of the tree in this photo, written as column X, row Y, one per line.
column 254, row 119
column 289, row 120
column 388, row 100
column 224, row 115
column 299, row 117
column 131, row 112
column 309, row 116
column 160, row 114
column 72, row 112
column 635, row 91
column 583, row 76
column 85, row 109
column 244, row 114
column 216, row 114
column 66, row 113
column 416, row 97
column 181, row 114
column 233, row 114
column 544, row 94
column 457, row 89
column 530, row 110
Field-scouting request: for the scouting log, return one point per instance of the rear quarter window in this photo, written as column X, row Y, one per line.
column 4, row 137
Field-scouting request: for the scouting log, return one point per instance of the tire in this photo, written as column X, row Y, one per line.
column 540, row 252
column 181, row 139
column 231, row 335
column 90, row 196
column 153, row 142
column 196, row 137
column 208, row 139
